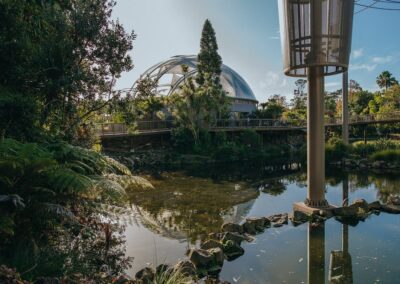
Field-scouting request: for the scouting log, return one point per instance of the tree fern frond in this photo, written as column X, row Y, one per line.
column 58, row 210
column 110, row 189
column 14, row 199
column 131, row 183
column 66, row 180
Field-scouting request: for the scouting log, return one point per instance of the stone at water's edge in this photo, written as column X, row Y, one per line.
column 389, row 208
column 146, row 275
column 210, row 244
column 185, row 267
column 232, row 227
column 233, row 237
column 393, row 200
column 207, row 260
column 232, row 250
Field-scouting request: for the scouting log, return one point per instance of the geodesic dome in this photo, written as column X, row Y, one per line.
column 170, row 76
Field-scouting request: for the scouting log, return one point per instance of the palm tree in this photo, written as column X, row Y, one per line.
column 386, row 80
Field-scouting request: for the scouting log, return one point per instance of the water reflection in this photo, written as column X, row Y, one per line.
column 189, row 208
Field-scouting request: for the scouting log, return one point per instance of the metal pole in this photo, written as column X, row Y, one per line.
column 345, row 108
column 316, row 139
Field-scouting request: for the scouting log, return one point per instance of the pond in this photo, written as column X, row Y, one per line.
column 187, row 205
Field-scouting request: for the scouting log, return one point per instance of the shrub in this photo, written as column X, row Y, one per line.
column 220, row 138
column 182, row 139
column 251, row 139
column 227, row 153
column 336, row 149
column 387, row 156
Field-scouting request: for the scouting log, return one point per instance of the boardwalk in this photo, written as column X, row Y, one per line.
column 158, row 127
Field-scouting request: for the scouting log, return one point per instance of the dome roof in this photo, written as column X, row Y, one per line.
column 169, row 75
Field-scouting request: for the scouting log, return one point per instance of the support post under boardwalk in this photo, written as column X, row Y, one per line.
column 316, row 139
column 345, row 108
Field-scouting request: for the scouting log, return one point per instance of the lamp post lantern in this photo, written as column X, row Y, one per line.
column 316, row 42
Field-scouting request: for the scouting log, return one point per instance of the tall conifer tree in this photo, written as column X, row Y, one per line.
column 209, row 61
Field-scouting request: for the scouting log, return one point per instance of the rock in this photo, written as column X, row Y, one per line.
column 376, row 205
column 253, row 225
column 345, row 211
column 216, row 236
column 200, row 258
column 232, row 250
column 249, row 228
column 185, row 267
column 232, row 227
column 218, row 255
column 360, row 203
column 325, row 213
column 210, row 244
column 163, row 268
column 233, row 237
column 123, row 279
column 278, row 220
column 393, row 200
column 146, row 275
column 299, row 218
column 390, row 208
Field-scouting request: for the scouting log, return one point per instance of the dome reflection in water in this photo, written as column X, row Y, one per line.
column 185, row 208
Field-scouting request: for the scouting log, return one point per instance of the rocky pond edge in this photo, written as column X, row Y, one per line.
column 206, row 262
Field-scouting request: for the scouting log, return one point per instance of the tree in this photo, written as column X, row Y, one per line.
column 66, row 55
column 386, row 80
column 188, row 106
column 209, row 72
column 147, row 102
column 299, row 100
column 273, row 108
column 359, row 102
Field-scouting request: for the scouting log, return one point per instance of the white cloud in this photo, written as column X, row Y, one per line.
column 368, row 67
column 332, row 84
column 358, row 53
column 274, row 37
column 382, row 60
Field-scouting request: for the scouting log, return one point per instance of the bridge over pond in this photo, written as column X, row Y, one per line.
column 237, row 125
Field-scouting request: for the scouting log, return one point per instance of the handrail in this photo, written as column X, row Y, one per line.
column 166, row 125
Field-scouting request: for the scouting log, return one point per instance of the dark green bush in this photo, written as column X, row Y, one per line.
column 251, row 139
column 387, row 156
column 227, row 153
column 336, row 149
column 182, row 139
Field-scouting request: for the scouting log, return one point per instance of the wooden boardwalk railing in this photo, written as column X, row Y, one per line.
column 160, row 126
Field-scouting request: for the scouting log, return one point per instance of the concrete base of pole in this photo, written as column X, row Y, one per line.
column 308, row 210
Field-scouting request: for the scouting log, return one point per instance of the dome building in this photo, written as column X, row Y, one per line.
column 169, row 76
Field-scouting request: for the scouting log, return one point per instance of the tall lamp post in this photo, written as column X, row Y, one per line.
column 316, row 42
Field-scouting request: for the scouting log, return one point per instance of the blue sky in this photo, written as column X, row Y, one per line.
column 248, row 37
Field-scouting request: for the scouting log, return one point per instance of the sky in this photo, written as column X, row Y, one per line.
column 249, row 42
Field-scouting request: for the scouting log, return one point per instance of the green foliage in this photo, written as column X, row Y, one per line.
column 63, row 55
column 251, row 139
column 273, row 108
column 336, row 149
column 58, row 178
column 359, row 102
column 382, row 144
column 18, row 115
column 168, row 276
column 183, row 140
column 386, row 80
column 387, row 156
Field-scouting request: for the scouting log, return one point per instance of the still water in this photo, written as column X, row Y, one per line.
column 187, row 205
